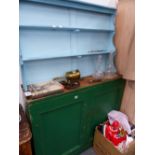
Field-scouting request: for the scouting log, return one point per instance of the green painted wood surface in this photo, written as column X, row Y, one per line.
column 64, row 124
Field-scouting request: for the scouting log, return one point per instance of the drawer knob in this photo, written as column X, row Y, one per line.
column 76, row 97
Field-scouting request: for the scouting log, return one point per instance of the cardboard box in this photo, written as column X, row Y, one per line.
column 102, row 146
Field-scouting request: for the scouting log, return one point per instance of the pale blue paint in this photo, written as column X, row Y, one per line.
column 40, row 44
column 54, row 40
column 53, row 44
column 75, row 5
column 32, row 14
column 43, row 15
column 58, row 28
column 89, row 20
column 39, row 71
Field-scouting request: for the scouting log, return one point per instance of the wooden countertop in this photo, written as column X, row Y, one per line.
column 84, row 82
column 88, row 81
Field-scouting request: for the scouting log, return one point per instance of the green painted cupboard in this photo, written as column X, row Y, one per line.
column 64, row 124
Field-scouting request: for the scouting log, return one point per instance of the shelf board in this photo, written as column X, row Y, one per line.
column 59, row 57
column 76, row 5
column 61, row 28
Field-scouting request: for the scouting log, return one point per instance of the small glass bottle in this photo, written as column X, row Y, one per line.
column 99, row 74
column 110, row 67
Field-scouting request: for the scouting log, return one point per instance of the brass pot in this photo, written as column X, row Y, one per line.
column 73, row 75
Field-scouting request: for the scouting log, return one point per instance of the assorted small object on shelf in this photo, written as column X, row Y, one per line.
column 57, row 85
column 102, row 73
column 44, row 89
column 72, row 79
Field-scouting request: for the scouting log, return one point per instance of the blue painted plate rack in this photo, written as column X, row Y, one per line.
column 62, row 35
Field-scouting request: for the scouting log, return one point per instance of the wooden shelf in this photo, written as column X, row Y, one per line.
column 84, row 82
column 59, row 57
column 61, row 28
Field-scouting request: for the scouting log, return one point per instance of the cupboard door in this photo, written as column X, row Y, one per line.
column 102, row 99
column 59, row 125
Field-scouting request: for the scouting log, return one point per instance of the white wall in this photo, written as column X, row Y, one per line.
column 21, row 94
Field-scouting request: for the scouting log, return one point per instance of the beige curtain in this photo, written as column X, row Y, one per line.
column 125, row 53
column 128, row 101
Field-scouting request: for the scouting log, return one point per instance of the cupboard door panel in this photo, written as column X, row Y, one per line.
column 102, row 99
column 60, row 122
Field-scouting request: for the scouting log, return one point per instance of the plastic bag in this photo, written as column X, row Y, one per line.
column 121, row 118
